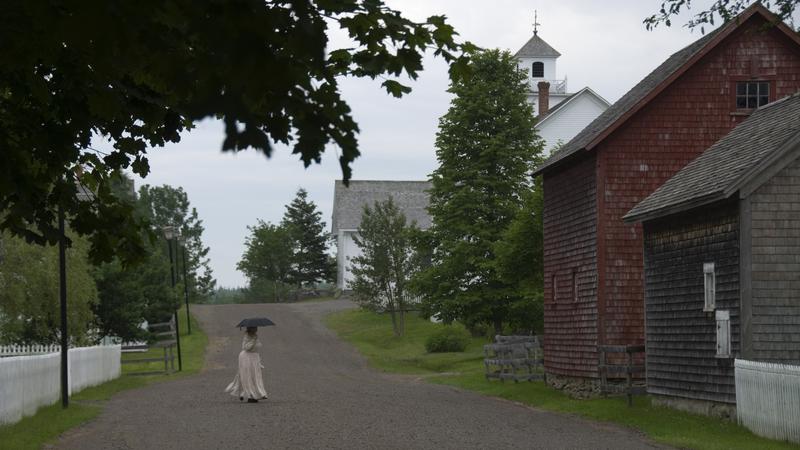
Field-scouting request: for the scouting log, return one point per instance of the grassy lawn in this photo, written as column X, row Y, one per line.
column 51, row 421
column 372, row 335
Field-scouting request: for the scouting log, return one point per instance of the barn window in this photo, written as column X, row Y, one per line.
column 537, row 69
column 710, row 286
column 752, row 94
column 723, row 334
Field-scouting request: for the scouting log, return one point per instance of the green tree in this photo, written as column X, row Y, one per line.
column 129, row 297
column 724, row 10
column 303, row 221
column 387, row 262
column 520, row 263
column 169, row 206
column 140, row 73
column 267, row 259
column 486, row 147
column 140, row 291
column 29, row 300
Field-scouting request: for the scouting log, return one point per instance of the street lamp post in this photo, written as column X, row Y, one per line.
column 62, row 295
column 171, row 233
column 182, row 240
column 83, row 194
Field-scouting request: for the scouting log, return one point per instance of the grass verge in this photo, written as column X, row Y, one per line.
column 372, row 335
column 51, row 421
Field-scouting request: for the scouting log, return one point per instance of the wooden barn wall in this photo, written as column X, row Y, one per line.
column 775, row 244
column 681, row 337
column 570, row 333
column 676, row 126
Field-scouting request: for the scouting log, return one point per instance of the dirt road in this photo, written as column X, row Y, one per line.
column 322, row 395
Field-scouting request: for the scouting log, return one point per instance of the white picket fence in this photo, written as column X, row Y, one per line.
column 768, row 399
column 29, row 382
column 20, row 350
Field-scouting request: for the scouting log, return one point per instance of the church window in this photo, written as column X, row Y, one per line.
column 537, row 70
column 751, row 94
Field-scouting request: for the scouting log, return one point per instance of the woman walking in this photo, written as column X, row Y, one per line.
column 248, row 382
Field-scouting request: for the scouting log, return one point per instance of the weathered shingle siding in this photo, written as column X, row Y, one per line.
column 690, row 115
column 681, row 337
column 776, row 268
column 570, row 245
column 675, row 127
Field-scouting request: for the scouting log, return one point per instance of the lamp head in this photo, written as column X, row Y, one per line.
column 170, row 232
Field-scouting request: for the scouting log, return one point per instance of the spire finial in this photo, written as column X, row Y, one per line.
column 535, row 23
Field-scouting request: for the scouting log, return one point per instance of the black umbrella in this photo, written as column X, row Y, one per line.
column 255, row 322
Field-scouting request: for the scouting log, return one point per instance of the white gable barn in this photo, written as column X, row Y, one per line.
column 411, row 197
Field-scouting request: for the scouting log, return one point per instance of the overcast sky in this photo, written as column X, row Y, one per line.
column 603, row 45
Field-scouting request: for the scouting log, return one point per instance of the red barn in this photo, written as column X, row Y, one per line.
column 592, row 259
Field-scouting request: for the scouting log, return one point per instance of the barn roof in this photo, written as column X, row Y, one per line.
column 348, row 202
column 537, row 47
column 736, row 159
column 652, row 85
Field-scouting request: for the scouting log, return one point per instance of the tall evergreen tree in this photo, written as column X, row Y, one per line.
column 486, row 147
column 304, row 224
column 169, row 206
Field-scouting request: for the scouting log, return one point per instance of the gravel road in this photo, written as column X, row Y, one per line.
column 322, row 395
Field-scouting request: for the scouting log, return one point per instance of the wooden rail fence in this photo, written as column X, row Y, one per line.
column 621, row 366
column 514, row 358
column 166, row 339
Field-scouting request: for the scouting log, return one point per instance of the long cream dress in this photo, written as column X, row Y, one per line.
column 248, row 382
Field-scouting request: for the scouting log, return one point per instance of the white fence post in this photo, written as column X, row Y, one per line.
column 31, row 381
column 768, row 399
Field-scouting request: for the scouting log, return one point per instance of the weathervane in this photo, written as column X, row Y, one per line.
column 535, row 22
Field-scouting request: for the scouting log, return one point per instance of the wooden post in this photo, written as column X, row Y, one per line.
column 603, row 373
column 628, row 375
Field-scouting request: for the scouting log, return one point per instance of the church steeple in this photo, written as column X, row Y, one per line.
column 538, row 58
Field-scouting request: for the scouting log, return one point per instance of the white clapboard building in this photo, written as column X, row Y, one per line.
column 411, row 197
column 560, row 114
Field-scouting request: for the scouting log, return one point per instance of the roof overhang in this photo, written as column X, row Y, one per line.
column 674, row 209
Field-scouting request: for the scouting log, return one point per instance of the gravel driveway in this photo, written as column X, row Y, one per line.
column 322, row 395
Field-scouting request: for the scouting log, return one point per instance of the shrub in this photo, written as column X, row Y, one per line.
column 447, row 339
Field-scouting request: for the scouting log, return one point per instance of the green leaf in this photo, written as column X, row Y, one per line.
column 395, row 88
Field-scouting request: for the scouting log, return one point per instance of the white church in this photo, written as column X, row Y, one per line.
column 560, row 116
